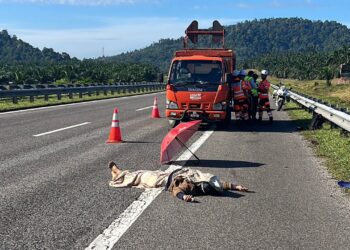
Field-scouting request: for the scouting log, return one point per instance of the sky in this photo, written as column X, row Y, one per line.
column 83, row 28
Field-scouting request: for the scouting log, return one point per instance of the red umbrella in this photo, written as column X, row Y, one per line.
column 175, row 140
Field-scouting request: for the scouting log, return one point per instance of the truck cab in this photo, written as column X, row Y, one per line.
column 198, row 86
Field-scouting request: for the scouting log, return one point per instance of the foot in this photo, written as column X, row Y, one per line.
column 271, row 119
column 241, row 188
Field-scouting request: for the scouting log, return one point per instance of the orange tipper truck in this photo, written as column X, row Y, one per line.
column 199, row 80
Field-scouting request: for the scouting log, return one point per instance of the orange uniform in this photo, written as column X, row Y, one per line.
column 264, row 103
column 240, row 101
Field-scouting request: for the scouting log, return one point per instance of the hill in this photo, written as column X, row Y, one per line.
column 14, row 50
column 252, row 39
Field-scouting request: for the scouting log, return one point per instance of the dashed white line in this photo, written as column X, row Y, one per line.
column 115, row 231
column 76, row 103
column 61, row 129
column 144, row 108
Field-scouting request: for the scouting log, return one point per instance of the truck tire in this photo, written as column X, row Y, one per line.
column 280, row 105
column 226, row 123
column 173, row 123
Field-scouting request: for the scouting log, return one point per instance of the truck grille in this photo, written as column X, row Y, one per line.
column 194, row 106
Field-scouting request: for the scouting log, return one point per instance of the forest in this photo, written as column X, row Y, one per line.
column 288, row 47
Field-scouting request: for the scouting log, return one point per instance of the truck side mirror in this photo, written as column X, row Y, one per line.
column 228, row 78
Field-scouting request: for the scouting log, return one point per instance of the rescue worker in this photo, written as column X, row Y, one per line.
column 247, row 88
column 264, row 103
column 253, row 94
column 240, row 104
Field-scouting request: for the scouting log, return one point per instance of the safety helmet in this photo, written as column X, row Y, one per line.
column 264, row 72
column 243, row 72
column 236, row 73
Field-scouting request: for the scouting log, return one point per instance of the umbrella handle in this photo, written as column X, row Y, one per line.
column 184, row 145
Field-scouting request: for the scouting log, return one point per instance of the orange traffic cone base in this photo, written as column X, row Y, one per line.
column 115, row 134
column 155, row 110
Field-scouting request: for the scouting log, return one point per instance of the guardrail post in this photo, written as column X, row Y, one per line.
column 105, row 92
column 112, row 92
column 70, row 95
column 46, row 98
column 31, row 98
column 344, row 133
column 80, row 94
column 59, row 96
column 97, row 92
column 15, row 99
column 89, row 93
column 317, row 121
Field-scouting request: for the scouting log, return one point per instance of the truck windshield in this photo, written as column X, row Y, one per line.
column 185, row 73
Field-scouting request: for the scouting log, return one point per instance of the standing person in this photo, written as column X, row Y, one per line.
column 247, row 89
column 264, row 103
column 240, row 103
column 253, row 93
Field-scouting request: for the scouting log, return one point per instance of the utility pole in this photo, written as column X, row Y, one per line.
column 103, row 52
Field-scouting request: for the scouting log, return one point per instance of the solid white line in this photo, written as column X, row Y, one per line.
column 115, row 231
column 76, row 103
column 58, row 130
column 144, row 108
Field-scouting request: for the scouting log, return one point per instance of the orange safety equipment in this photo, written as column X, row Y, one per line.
column 263, row 89
column 238, row 92
column 246, row 85
column 264, row 103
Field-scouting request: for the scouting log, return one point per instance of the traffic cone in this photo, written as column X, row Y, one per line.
column 115, row 134
column 155, row 110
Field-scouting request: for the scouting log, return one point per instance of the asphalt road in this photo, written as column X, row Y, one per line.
column 54, row 190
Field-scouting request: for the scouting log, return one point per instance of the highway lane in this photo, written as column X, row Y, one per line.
column 54, row 193
column 53, row 189
column 295, row 205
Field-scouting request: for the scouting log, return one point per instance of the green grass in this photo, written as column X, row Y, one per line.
column 328, row 144
column 7, row 105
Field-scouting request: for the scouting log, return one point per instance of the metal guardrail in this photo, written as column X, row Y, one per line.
column 321, row 110
column 59, row 91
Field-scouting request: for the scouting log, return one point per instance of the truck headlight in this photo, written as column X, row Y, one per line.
column 171, row 105
column 219, row 106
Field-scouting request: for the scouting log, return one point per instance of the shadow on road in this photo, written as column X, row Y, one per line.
column 278, row 126
column 142, row 142
column 231, row 194
column 218, row 164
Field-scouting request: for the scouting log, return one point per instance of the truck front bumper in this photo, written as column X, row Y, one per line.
column 187, row 115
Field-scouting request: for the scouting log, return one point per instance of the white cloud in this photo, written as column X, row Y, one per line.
column 81, row 2
column 276, row 4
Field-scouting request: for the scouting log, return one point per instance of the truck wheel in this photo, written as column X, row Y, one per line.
column 173, row 123
column 280, row 105
column 225, row 123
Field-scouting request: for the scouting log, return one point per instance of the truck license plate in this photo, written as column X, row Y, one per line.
column 194, row 115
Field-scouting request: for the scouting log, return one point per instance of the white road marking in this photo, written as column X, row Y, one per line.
column 58, row 130
column 74, row 104
column 115, row 231
column 144, row 108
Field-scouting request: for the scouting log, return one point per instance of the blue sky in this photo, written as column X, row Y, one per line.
column 83, row 27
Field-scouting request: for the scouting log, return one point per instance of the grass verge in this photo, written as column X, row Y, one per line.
column 335, row 93
column 328, row 143
column 7, row 105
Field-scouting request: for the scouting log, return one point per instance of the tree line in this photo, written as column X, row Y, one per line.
column 310, row 65
column 86, row 71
